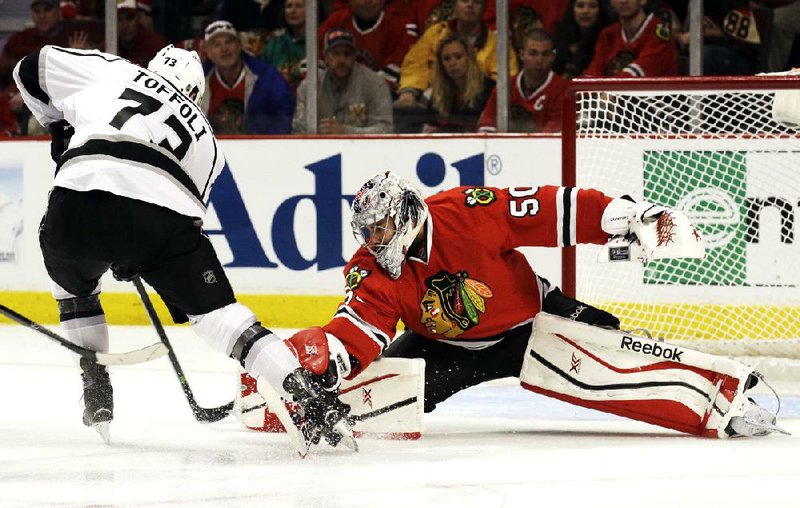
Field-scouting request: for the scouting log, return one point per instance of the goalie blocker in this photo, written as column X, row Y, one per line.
column 640, row 378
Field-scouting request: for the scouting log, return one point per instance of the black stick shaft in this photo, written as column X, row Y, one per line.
column 144, row 354
column 200, row 413
column 19, row 318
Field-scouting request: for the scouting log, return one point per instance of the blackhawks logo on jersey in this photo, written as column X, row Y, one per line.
column 479, row 196
column 664, row 31
column 355, row 275
column 352, row 281
column 452, row 303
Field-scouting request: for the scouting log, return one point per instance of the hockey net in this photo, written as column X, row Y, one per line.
column 711, row 148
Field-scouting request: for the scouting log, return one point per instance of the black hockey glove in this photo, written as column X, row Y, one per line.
column 123, row 273
column 323, row 413
column 61, row 133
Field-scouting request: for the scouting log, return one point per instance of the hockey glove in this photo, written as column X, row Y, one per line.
column 643, row 231
column 322, row 354
column 123, row 273
column 61, row 132
column 623, row 215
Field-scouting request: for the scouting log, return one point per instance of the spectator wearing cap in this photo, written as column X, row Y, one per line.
column 352, row 98
column 382, row 35
column 135, row 42
column 48, row 28
column 239, row 83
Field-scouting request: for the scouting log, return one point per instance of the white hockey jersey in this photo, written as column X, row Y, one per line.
column 135, row 135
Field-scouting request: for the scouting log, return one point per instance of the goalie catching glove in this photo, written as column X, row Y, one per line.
column 644, row 231
column 308, row 369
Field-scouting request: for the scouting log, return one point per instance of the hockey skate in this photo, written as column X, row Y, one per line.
column 754, row 421
column 312, row 415
column 98, row 398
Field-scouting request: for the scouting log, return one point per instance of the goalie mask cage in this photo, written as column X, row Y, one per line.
column 709, row 147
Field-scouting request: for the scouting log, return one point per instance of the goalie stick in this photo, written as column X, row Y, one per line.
column 202, row 414
column 145, row 354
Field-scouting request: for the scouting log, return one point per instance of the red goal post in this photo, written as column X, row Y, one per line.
column 711, row 147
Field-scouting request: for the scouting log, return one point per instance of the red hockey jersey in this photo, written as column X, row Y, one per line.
column 542, row 108
column 382, row 47
column 473, row 285
column 650, row 52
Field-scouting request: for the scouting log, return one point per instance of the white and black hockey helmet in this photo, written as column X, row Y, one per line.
column 182, row 68
column 388, row 213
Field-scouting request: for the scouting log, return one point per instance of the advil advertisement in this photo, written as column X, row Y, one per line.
column 279, row 215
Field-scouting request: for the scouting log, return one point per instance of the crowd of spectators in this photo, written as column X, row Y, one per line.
column 408, row 66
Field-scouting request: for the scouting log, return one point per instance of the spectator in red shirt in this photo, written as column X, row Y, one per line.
column 550, row 12
column 48, row 28
column 381, row 36
column 639, row 44
column 136, row 43
column 8, row 120
column 536, row 91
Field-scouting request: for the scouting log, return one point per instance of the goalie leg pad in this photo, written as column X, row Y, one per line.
column 635, row 377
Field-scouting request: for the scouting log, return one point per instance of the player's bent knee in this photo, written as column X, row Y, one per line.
column 78, row 307
column 222, row 328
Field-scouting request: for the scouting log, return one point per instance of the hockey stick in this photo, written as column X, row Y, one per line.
column 145, row 354
column 391, row 407
column 201, row 414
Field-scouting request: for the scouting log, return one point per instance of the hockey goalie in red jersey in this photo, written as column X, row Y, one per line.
column 448, row 267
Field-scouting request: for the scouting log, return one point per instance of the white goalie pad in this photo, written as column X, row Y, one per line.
column 671, row 236
column 386, row 400
column 633, row 376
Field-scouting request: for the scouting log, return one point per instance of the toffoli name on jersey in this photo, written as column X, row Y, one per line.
column 186, row 109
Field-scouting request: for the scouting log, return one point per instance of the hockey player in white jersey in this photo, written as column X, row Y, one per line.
column 135, row 162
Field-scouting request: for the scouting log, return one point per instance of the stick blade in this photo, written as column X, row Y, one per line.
column 212, row 414
column 142, row 355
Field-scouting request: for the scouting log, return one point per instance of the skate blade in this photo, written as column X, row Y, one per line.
column 102, row 429
column 774, row 428
column 346, row 433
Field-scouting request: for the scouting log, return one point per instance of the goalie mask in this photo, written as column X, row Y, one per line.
column 181, row 68
column 387, row 215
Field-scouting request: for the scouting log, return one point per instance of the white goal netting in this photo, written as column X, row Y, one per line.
column 712, row 149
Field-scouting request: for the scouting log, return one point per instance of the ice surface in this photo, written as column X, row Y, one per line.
column 492, row 446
